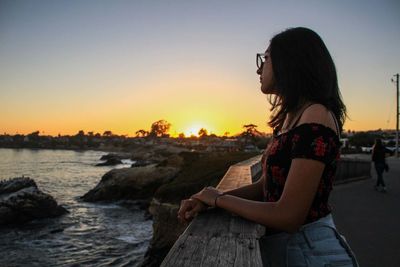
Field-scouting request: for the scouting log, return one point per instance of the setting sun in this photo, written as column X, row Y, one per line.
column 194, row 129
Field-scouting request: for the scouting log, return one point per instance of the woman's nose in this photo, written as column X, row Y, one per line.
column 259, row 71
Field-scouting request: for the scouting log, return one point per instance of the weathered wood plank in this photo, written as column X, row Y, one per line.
column 239, row 174
column 227, row 252
column 192, row 246
column 200, row 252
column 218, row 238
column 212, row 252
column 244, row 228
column 211, row 222
column 247, row 253
column 175, row 251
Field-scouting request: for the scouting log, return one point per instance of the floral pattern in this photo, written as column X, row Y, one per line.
column 310, row 140
column 319, row 146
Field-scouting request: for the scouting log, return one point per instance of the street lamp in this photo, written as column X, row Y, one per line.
column 397, row 112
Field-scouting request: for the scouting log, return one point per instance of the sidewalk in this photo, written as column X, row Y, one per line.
column 370, row 220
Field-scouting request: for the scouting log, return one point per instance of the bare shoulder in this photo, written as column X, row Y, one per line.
column 318, row 113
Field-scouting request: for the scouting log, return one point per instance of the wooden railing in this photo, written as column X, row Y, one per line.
column 218, row 238
column 350, row 170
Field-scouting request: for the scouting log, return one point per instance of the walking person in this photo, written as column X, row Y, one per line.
column 379, row 159
column 299, row 165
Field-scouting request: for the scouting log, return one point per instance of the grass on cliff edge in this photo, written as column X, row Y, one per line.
column 199, row 170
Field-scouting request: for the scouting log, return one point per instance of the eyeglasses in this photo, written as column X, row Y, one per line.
column 260, row 59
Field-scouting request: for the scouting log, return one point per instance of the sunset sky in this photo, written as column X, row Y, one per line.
column 117, row 65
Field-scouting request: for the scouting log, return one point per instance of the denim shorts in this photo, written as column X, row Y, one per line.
column 317, row 244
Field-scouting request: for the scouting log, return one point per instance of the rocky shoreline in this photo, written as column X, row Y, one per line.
column 161, row 179
column 130, row 183
column 22, row 201
column 175, row 175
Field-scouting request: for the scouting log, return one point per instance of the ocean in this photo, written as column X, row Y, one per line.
column 91, row 234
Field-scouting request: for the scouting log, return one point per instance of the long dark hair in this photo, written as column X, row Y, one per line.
column 304, row 72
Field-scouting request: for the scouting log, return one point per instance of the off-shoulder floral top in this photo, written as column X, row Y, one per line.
column 310, row 141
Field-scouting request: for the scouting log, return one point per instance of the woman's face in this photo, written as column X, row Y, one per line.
column 266, row 73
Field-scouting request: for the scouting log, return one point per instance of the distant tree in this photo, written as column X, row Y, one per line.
column 36, row 133
column 160, row 128
column 98, row 135
column 89, row 139
column 250, row 132
column 107, row 133
column 181, row 136
column 363, row 139
column 78, row 139
column 226, row 134
column 34, row 136
column 203, row 132
column 141, row 133
column 18, row 139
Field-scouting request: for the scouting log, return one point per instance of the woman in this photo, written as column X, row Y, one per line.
column 291, row 198
column 378, row 157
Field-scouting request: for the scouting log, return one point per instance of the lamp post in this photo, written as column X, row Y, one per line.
column 396, row 80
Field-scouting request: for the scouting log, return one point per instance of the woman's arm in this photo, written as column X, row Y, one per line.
column 287, row 214
column 252, row 191
column 189, row 208
column 291, row 210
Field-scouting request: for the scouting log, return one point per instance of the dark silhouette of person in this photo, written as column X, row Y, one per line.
column 379, row 158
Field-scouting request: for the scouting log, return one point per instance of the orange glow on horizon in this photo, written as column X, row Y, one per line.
column 119, row 73
column 194, row 129
column 187, row 128
column 189, row 123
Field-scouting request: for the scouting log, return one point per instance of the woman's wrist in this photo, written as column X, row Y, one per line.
column 216, row 198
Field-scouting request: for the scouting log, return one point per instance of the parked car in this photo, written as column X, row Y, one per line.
column 392, row 149
column 366, row 149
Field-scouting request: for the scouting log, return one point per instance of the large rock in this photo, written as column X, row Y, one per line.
column 113, row 159
column 119, row 156
column 166, row 230
column 110, row 162
column 156, row 153
column 141, row 163
column 131, row 183
column 21, row 201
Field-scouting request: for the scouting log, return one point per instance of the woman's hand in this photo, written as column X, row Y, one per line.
column 189, row 209
column 208, row 195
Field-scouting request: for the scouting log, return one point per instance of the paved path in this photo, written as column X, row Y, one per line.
column 370, row 220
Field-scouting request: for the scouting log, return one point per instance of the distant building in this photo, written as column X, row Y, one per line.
column 227, row 145
column 251, row 148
